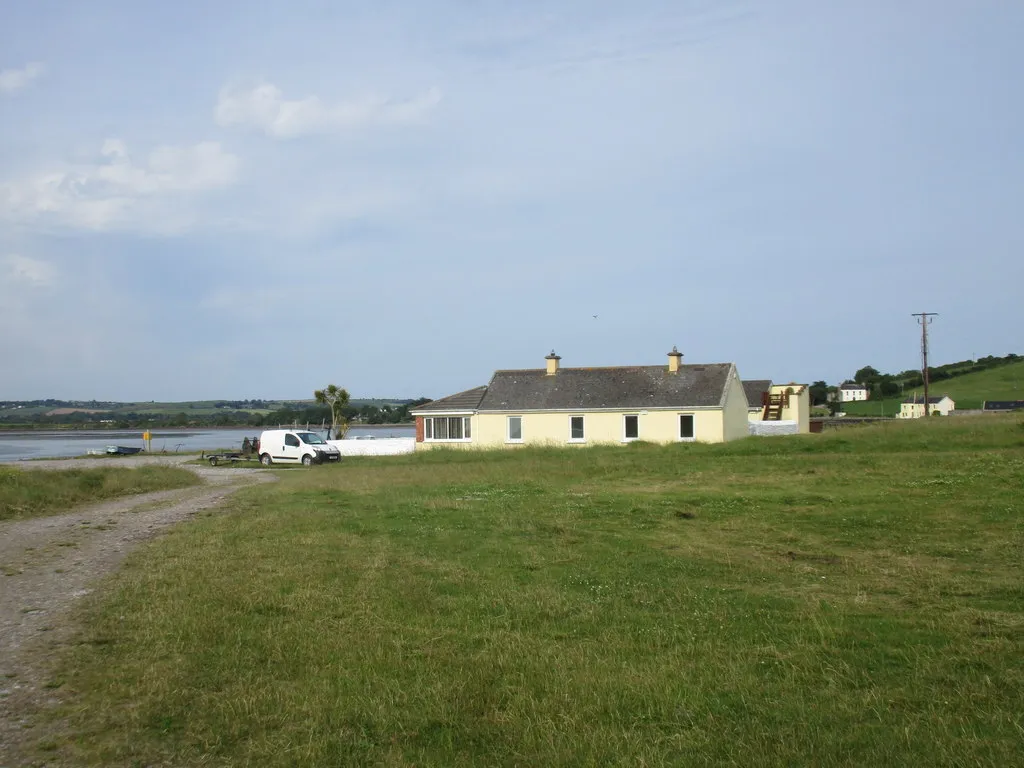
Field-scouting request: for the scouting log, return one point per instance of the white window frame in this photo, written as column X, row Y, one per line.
column 693, row 423
column 584, row 423
column 626, row 438
column 508, row 430
column 429, row 430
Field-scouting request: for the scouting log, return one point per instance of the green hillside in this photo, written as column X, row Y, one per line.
column 969, row 391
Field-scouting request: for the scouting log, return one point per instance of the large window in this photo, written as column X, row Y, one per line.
column 515, row 429
column 686, row 426
column 630, row 427
column 446, row 428
column 576, row 433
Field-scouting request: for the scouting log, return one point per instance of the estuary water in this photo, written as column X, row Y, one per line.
column 20, row 446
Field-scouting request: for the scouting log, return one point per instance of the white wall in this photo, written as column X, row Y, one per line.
column 765, row 428
column 387, row 446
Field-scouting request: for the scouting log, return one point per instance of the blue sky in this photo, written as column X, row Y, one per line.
column 206, row 200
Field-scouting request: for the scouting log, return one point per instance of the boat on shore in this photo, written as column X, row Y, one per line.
column 122, row 450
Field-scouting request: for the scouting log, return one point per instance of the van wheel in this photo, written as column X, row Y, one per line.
column 307, row 460
column 265, row 460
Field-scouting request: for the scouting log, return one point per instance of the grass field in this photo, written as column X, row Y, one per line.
column 854, row 598
column 968, row 392
column 34, row 493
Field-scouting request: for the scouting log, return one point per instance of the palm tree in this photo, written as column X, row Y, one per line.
column 337, row 399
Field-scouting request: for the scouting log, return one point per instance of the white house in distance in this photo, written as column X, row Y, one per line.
column 850, row 392
column 913, row 407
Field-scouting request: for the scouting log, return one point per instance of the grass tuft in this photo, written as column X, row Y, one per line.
column 35, row 493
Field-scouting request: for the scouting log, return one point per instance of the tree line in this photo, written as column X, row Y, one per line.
column 224, row 417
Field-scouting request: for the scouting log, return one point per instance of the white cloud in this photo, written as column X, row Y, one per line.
column 22, row 271
column 12, row 80
column 117, row 193
column 265, row 107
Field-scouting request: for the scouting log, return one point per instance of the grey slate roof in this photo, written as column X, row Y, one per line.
column 648, row 386
column 932, row 399
column 852, row 385
column 754, row 389
column 462, row 401
column 1003, row 405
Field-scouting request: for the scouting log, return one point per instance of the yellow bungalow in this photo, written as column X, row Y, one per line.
column 590, row 406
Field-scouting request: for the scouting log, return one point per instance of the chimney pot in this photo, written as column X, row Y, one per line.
column 552, row 361
column 675, row 360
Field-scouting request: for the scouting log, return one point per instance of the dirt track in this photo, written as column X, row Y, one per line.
column 48, row 563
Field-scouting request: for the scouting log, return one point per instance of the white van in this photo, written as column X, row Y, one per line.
column 292, row 446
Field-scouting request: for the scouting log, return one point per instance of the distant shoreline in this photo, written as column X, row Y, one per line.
column 57, row 429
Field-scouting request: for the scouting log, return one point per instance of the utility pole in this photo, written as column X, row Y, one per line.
column 924, row 319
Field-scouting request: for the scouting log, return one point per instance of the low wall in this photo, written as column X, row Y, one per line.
column 385, row 446
column 766, row 428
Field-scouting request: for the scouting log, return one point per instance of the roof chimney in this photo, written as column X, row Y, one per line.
column 675, row 359
column 552, row 363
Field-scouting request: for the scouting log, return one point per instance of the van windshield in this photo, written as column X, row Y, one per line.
column 311, row 439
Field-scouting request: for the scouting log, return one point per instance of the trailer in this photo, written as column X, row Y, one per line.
column 250, row 450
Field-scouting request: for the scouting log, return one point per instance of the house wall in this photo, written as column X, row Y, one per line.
column 735, row 419
column 849, row 395
column 604, row 427
column 799, row 408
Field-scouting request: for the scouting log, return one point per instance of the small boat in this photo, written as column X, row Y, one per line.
column 97, row 452
column 122, row 450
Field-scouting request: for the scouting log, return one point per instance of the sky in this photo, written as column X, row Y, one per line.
column 256, row 199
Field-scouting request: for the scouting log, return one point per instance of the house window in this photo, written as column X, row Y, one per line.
column 446, row 428
column 630, row 426
column 576, row 433
column 515, row 429
column 686, row 426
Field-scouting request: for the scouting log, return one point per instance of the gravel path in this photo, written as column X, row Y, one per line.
column 48, row 563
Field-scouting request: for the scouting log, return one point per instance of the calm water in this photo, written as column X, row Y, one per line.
column 37, row 445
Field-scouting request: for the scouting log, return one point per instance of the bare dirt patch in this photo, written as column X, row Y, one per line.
column 48, row 563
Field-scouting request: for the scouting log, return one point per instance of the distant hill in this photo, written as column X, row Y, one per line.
column 968, row 391
column 107, row 414
column 65, row 407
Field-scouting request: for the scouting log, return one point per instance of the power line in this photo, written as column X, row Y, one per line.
column 924, row 319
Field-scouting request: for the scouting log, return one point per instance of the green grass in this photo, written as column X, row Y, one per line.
column 968, row 391
column 34, row 493
column 845, row 599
